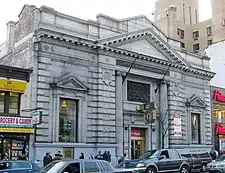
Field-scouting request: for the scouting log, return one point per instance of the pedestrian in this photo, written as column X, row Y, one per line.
column 81, row 156
column 58, row 156
column 50, row 155
column 108, row 157
column 6, row 156
column 91, row 157
column 47, row 159
column 122, row 158
column 213, row 153
column 99, row 156
column 105, row 156
column 24, row 157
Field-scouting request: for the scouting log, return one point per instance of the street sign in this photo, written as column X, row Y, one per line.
column 36, row 117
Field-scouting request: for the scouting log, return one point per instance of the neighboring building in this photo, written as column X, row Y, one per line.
column 88, row 105
column 2, row 50
column 218, row 117
column 179, row 20
column 217, row 64
column 15, row 130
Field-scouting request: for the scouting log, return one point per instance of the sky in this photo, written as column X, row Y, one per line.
column 88, row 9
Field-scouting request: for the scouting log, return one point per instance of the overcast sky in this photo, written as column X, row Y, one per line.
column 88, row 9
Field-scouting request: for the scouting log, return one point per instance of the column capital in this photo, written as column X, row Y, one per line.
column 120, row 73
column 160, row 82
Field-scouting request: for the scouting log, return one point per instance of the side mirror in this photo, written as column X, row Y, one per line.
column 162, row 157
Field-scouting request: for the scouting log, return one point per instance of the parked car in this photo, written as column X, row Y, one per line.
column 217, row 166
column 163, row 160
column 198, row 160
column 81, row 166
column 18, row 166
column 134, row 162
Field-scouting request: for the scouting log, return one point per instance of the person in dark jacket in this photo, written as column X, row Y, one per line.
column 47, row 159
column 81, row 156
column 99, row 156
column 105, row 156
column 108, row 157
column 58, row 156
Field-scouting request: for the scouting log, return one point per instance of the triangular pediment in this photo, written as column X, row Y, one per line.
column 143, row 46
column 145, row 42
column 69, row 82
column 195, row 101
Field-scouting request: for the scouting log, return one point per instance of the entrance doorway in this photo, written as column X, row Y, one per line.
column 137, row 142
column 14, row 145
column 137, row 148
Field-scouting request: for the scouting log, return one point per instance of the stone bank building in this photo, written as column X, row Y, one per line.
column 87, row 103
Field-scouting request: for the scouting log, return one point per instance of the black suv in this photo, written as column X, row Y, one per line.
column 164, row 160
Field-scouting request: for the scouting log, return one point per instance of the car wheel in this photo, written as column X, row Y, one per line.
column 184, row 169
column 151, row 170
column 203, row 169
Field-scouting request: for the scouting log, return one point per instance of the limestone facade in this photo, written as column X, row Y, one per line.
column 87, row 61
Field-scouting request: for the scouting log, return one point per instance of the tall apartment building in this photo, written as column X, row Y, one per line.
column 179, row 19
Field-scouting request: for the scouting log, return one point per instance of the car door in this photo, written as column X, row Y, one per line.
column 106, row 167
column 174, row 160
column 163, row 162
column 73, row 167
column 196, row 160
column 21, row 167
column 5, row 167
column 91, row 166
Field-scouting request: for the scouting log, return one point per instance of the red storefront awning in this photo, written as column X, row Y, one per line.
column 220, row 129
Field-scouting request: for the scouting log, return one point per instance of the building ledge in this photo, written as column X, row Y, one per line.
column 16, row 73
column 81, row 145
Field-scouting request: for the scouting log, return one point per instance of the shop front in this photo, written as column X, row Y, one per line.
column 218, row 119
column 15, row 130
column 14, row 136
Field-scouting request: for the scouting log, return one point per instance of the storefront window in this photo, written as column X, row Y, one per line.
column 68, row 120
column 2, row 102
column 14, row 100
column 195, row 128
column 219, row 116
column 9, row 103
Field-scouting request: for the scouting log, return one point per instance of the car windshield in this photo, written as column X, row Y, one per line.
column 154, row 154
column 53, row 167
column 147, row 154
column 221, row 158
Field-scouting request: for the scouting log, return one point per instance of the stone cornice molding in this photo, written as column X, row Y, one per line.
column 91, row 44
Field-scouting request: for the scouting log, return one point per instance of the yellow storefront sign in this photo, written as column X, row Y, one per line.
column 13, row 86
column 17, row 130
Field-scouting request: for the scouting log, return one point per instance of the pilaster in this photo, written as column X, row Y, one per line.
column 119, row 112
column 163, row 118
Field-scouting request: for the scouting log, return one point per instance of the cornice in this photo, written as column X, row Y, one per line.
column 90, row 44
